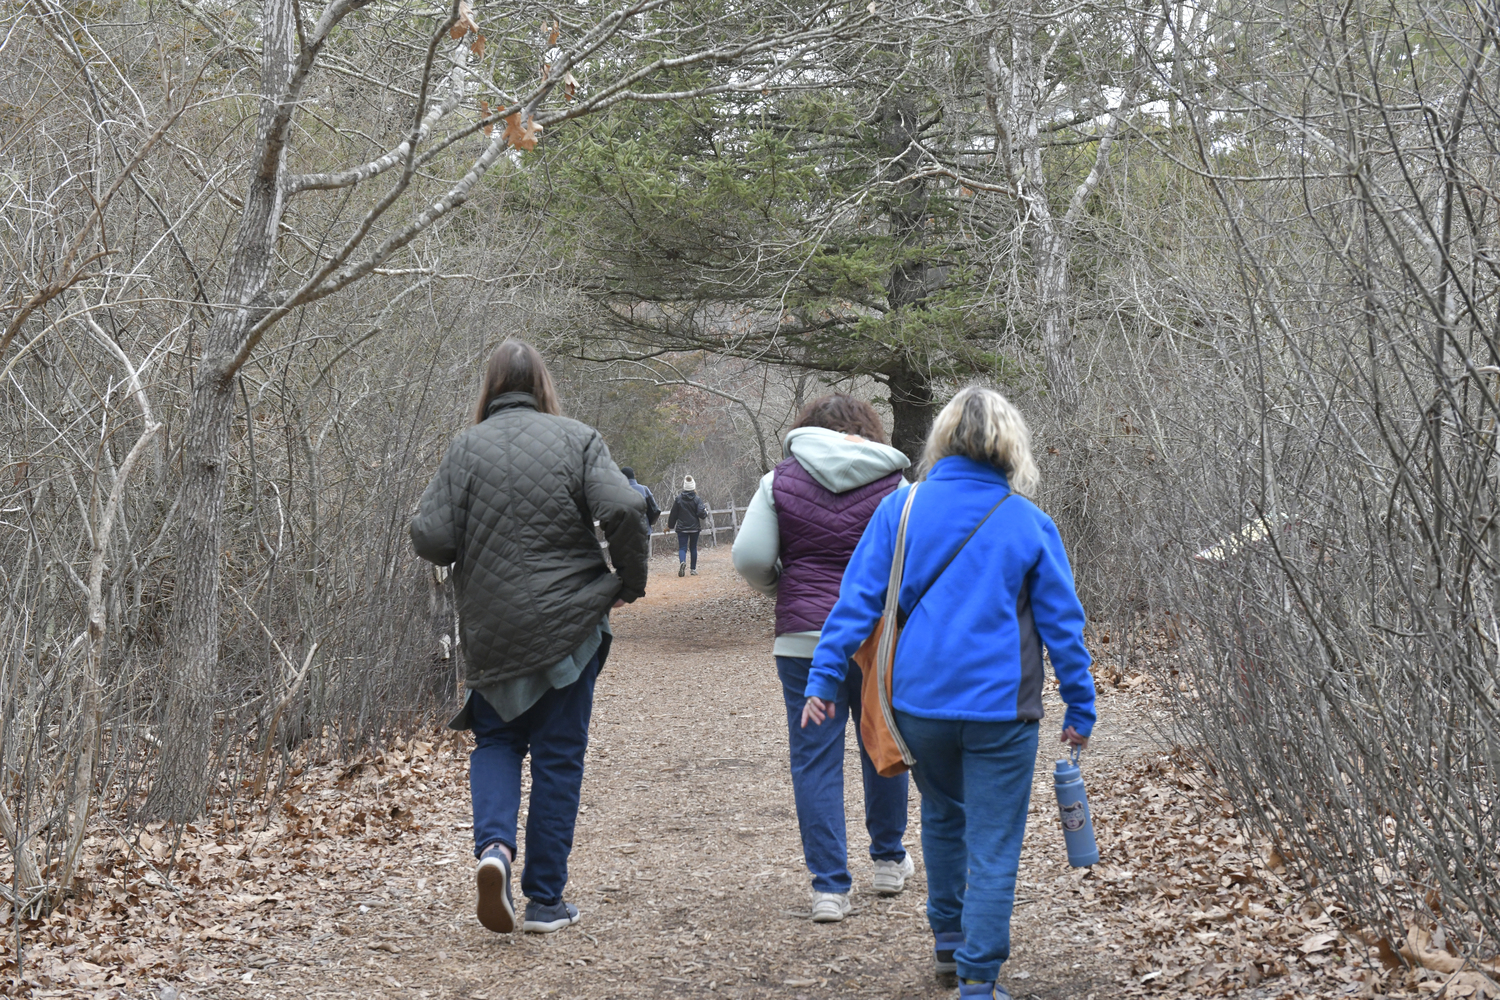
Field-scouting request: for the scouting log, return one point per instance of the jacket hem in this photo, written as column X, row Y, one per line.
column 954, row 715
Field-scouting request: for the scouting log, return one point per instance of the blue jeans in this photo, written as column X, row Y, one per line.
column 556, row 733
column 972, row 845
column 818, row 782
column 687, row 540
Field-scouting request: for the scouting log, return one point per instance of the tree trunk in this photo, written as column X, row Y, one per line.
column 181, row 784
column 909, row 281
column 1057, row 330
column 182, row 779
column 911, row 411
column 1051, row 241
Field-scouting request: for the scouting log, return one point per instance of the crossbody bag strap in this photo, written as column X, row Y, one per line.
column 903, row 616
column 885, row 649
column 893, row 585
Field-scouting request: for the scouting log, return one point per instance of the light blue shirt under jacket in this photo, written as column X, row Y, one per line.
column 972, row 649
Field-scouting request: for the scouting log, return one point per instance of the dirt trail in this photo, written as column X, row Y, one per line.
column 357, row 882
column 355, row 878
column 688, row 868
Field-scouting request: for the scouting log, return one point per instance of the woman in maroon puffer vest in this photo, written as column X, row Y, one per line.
column 801, row 528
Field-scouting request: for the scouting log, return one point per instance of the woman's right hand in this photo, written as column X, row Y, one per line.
column 817, row 710
column 1070, row 737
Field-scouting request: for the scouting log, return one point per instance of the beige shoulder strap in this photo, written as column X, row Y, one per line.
column 885, row 650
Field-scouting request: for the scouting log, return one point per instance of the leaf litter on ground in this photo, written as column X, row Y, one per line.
column 343, row 883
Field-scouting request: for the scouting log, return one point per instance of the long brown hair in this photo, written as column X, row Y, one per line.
column 516, row 366
column 839, row 411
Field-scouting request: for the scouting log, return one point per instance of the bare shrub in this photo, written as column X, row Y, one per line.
column 1324, row 511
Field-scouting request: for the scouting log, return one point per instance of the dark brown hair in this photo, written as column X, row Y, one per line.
column 839, row 411
column 516, row 366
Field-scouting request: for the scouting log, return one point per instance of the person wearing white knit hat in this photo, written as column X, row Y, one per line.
column 687, row 517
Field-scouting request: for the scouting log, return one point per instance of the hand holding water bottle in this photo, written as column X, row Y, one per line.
column 1070, row 736
column 1073, row 804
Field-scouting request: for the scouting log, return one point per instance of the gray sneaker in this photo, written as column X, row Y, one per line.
column 497, row 912
column 890, row 876
column 546, row 918
column 830, row 907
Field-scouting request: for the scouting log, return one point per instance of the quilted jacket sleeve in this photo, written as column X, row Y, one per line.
column 621, row 512
column 432, row 533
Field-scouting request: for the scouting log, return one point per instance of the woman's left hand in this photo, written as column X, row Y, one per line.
column 1071, row 737
column 817, row 710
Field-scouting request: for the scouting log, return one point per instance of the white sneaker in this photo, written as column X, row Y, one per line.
column 829, row 907
column 890, row 876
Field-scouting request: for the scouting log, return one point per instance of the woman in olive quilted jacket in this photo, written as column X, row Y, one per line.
column 512, row 510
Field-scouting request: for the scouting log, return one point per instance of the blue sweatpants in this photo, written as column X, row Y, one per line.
column 818, row 782
column 975, row 779
column 555, row 731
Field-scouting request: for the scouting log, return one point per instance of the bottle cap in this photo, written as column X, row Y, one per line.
column 1070, row 766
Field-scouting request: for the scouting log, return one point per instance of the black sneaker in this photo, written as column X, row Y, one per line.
column 682, row 569
column 544, row 918
column 497, row 911
column 944, row 944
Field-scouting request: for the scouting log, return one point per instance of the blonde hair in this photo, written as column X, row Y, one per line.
column 981, row 424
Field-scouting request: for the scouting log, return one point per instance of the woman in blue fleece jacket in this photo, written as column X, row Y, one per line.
column 967, row 679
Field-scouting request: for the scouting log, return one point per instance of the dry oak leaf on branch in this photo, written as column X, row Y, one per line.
column 521, row 136
column 466, row 24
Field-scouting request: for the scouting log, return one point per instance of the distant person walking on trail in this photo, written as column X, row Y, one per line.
column 799, row 532
column 967, row 687
column 512, row 509
column 652, row 510
column 687, row 518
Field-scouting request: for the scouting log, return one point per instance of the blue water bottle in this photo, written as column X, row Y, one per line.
column 1073, row 807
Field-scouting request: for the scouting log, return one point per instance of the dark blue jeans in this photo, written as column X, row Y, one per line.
column 687, row 540
column 556, row 733
column 818, row 782
column 975, row 779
